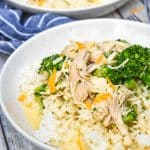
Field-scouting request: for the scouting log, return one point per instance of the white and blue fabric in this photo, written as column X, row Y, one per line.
column 14, row 31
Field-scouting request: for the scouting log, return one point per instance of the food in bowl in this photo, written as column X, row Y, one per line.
column 92, row 96
column 63, row 3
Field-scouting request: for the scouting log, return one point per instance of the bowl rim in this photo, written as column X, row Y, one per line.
column 63, row 10
column 19, row 50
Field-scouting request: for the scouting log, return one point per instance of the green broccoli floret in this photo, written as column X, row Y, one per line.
column 146, row 76
column 101, row 72
column 39, row 89
column 131, row 84
column 137, row 67
column 52, row 62
column 130, row 117
column 39, row 96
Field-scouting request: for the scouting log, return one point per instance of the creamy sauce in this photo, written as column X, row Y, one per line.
column 33, row 115
column 32, row 112
column 76, row 143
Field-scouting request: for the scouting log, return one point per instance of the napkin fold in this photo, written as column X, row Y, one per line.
column 14, row 30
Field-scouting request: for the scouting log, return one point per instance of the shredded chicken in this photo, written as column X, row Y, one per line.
column 107, row 121
column 103, row 114
column 94, row 54
column 114, row 109
column 99, row 85
column 115, row 112
column 124, row 94
column 92, row 67
column 111, row 57
column 70, row 51
column 112, row 45
column 77, row 77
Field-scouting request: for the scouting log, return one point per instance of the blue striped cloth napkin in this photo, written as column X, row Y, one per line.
column 14, row 30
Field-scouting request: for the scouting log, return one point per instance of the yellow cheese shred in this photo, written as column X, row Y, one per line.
column 51, row 82
column 31, row 111
column 81, row 143
column 88, row 104
column 38, row 2
column 22, row 97
column 85, row 45
column 110, row 84
column 101, row 60
column 80, row 45
column 99, row 98
column 102, row 97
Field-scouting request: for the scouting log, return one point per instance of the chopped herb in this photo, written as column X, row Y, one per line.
column 128, row 104
column 67, row 112
column 61, row 79
column 67, row 73
column 143, row 108
column 94, row 109
column 78, row 82
column 121, row 40
column 53, row 113
column 111, row 126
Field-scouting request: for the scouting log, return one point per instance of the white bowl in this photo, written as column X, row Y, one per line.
column 86, row 12
column 53, row 41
